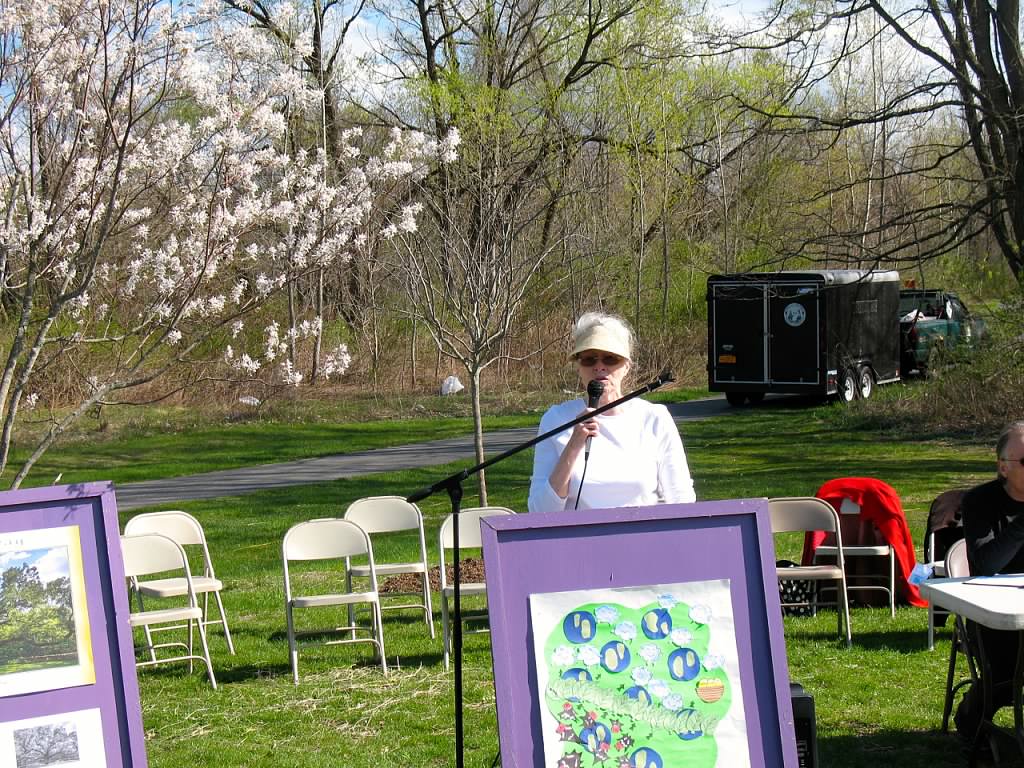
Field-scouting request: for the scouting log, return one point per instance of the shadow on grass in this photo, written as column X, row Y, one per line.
column 872, row 630
column 792, row 403
column 892, row 749
column 391, row 616
column 249, row 672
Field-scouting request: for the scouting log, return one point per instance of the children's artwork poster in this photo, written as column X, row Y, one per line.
column 68, row 740
column 44, row 620
column 639, row 677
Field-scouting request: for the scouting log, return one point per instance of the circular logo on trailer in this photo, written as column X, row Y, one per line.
column 794, row 314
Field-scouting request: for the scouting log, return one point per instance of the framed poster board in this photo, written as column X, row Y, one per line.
column 639, row 637
column 69, row 695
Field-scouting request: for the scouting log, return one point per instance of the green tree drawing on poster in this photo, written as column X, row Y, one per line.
column 37, row 628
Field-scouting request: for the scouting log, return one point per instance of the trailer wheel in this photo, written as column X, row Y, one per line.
column 755, row 398
column 736, row 398
column 865, row 382
column 848, row 386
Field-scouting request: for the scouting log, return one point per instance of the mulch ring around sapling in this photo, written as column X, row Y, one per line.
column 471, row 570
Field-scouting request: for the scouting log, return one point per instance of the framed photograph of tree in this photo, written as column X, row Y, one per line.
column 69, row 740
column 44, row 619
column 68, row 691
column 639, row 637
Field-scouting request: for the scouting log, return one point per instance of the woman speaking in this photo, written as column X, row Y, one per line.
column 636, row 457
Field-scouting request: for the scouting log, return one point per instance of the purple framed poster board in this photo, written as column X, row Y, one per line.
column 640, row 637
column 68, row 689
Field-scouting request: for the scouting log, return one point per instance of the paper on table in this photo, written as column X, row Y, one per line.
column 1003, row 580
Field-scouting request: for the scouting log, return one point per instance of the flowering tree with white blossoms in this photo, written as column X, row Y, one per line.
column 148, row 207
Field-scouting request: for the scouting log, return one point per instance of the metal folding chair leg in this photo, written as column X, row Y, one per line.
column 958, row 645
column 223, row 621
column 446, row 634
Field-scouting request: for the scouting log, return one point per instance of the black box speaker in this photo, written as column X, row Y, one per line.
column 803, row 724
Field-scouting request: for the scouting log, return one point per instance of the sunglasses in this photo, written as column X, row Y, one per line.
column 1012, row 461
column 589, row 361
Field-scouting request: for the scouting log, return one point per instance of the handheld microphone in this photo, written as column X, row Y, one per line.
column 594, row 391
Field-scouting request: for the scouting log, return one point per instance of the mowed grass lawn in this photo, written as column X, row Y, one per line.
column 878, row 704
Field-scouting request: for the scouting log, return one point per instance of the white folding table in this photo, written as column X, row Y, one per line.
column 996, row 602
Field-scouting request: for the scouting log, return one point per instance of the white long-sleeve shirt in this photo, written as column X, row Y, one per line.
column 636, row 460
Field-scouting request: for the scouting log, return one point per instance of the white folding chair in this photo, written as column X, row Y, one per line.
column 807, row 513
column 469, row 538
column 956, row 566
column 151, row 553
column 330, row 539
column 187, row 532
column 392, row 514
column 850, row 507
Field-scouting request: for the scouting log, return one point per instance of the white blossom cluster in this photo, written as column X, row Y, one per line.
column 337, row 362
column 160, row 207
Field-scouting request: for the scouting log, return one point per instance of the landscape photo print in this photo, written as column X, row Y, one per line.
column 44, row 625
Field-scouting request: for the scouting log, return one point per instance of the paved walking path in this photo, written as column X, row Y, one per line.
column 234, row 482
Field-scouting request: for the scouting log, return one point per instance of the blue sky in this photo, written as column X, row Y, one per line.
column 51, row 562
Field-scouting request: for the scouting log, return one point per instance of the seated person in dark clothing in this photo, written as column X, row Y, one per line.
column 993, row 516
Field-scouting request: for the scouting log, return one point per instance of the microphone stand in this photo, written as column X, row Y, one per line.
column 453, row 485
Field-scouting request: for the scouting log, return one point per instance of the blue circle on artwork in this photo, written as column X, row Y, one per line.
column 593, row 737
column 657, row 624
column 639, row 693
column 683, row 664
column 615, row 656
column 645, row 757
column 578, row 674
column 580, row 627
column 691, row 734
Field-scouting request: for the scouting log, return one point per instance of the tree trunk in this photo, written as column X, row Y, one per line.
column 665, row 269
column 292, row 324
column 412, row 356
column 318, row 345
column 478, row 428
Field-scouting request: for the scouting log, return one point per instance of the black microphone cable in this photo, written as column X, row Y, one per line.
column 594, row 391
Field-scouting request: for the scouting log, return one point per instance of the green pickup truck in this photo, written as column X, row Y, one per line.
column 930, row 323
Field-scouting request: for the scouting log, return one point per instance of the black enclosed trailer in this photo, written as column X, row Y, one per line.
column 815, row 332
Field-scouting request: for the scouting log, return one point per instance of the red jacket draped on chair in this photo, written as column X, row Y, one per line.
column 880, row 505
